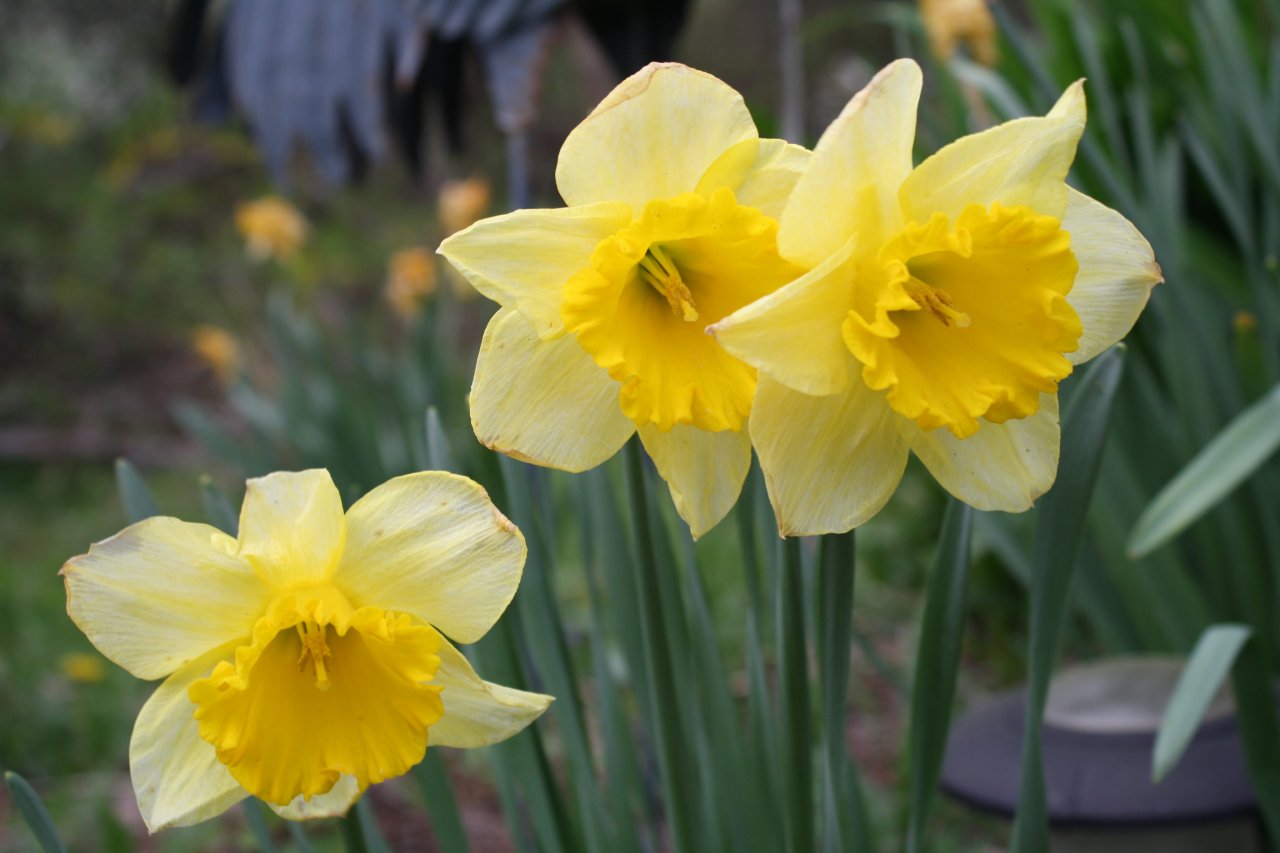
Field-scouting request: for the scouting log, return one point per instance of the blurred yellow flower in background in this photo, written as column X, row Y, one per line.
column 461, row 203
column 271, row 227
column 671, row 225
column 943, row 306
column 950, row 22
column 304, row 660
column 218, row 349
column 82, row 667
column 43, row 127
column 411, row 278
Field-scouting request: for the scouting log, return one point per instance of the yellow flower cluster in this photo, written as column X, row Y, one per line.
column 713, row 291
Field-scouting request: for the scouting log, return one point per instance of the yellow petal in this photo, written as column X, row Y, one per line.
column 704, row 470
column 177, row 776
column 306, row 703
column 1020, row 162
column 1117, row 271
column 523, row 259
column 336, row 803
column 830, row 463
column 291, row 527
column 479, row 713
column 652, row 137
column 867, row 148
column 1001, row 466
column 545, row 402
column 162, row 592
column 761, row 173
column 434, row 546
column 793, row 334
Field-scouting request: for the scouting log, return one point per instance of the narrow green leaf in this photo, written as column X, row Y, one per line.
column 1215, row 471
column 439, row 454
column 937, row 659
column 299, row 837
column 1251, row 680
column 1204, row 673
column 360, row 829
column 441, row 805
column 544, row 635
column 1059, row 531
column 255, row 814
column 134, row 494
column 217, row 508
column 34, row 813
column 737, row 799
column 793, row 701
column 662, row 687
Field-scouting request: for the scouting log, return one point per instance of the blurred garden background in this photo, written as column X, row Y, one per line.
column 184, row 289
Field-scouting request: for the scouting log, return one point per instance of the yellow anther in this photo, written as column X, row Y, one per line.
column 315, row 649
column 659, row 271
column 938, row 303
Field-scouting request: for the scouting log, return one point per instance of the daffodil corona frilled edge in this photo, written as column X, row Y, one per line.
column 671, row 225
column 942, row 306
column 305, row 659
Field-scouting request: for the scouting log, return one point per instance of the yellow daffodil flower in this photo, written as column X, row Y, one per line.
column 218, row 349
column 461, row 203
column 82, row 667
column 950, row 22
column 411, row 278
column 943, row 306
column 670, row 226
column 271, row 227
column 304, row 660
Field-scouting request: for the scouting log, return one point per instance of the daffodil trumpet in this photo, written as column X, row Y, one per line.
column 670, row 226
column 942, row 306
column 304, row 659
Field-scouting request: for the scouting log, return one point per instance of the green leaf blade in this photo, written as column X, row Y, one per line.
column 134, row 494
column 1206, row 670
column 1237, row 451
column 34, row 813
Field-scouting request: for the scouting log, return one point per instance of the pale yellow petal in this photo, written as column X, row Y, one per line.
column 335, row 803
column 830, row 463
column 865, row 151
column 652, row 137
column 291, row 527
column 793, row 334
column 545, row 402
column 1001, row 466
column 1020, row 162
column 704, row 470
column 1117, row 271
column 522, row 259
column 176, row 775
column 761, row 173
column 478, row 713
column 161, row 593
column 434, row 546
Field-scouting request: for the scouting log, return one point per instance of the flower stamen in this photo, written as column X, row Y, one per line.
column 315, row 649
column 937, row 302
column 660, row 272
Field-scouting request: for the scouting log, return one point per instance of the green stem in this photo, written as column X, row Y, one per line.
column 661, row 684
column 836, row 575
column 794, row 690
